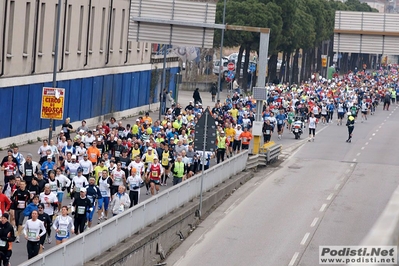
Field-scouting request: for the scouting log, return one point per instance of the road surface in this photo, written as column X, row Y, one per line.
column 328, row 192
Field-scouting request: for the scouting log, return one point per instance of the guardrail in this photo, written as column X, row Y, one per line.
column 100, row 238
column 268, row 154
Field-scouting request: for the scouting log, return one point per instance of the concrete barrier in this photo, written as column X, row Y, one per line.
column 151, row 244
column 385, row 231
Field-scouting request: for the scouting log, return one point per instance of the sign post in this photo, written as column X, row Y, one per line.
column 52, row 103
column 205, row 138
column 55, row 67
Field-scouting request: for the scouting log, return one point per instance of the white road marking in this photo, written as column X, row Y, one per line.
column 292, row 262
column 366, row 143
column 352, row 164
column 382, row 123
column 314, row 222
column 385, row 120
column 362, row 148
column 370, row 138
column 379, row 127
column 323, row 207
column 358, row 154
column 373, row 134
column 376, row 130
column 305, row 238
column 337, row 186
column 330, row 196
column 354, row 160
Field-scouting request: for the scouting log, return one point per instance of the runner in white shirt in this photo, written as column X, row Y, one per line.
column 104, row 183
column 80, row 151
column 312, row 127
column 63, row 226
column 86, row 165
column 237, row 140
column 50, row 201
column 133, row 183
column 79, row 182
column 32, row 234
column 118, row 178
column 64, row 183
column 138, row 164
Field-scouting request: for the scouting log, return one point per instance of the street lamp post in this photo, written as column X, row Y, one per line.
column 221, row 49
column 57, row 39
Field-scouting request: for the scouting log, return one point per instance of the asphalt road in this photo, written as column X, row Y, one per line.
column 327, row 192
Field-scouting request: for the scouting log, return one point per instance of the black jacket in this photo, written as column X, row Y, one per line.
column 6, row 234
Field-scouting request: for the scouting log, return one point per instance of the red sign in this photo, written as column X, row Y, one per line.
column 231, row 66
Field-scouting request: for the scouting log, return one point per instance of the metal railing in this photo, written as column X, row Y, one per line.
column 102, row 237
column 265, row 157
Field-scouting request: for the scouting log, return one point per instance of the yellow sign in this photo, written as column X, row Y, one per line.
column 52, row 103
column 324, row 60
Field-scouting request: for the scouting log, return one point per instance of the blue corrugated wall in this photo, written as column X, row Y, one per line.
column 85, row 98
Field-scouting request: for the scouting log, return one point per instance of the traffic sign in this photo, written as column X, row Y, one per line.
column 231, row 66
column 209, row 136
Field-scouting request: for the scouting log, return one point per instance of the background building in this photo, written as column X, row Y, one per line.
column 103, row 73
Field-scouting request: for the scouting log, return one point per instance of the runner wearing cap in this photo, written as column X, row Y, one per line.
column 80, row 207
column 79, row 182
column 86, row 165
column 47, row 166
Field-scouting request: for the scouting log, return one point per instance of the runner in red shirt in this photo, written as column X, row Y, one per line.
column 154, row 172
column 5, row 202
column 9, row 168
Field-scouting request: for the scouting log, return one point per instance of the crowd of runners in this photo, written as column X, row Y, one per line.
column 102, row 169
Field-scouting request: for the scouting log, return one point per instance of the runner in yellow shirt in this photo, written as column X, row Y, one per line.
column 230, row 133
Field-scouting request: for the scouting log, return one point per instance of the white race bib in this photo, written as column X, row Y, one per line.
column 81, row 209
column 28, row 172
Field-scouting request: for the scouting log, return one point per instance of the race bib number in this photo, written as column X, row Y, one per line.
column 117, row 153
column 85, row 169
column 28, row 172
column 280, row 122
column 77, row 189
column 104, row 193
column 165, row 161
column 3, row 243
column 21, row 204
column 244, row 139
column 118, row 179
column 53, row 187
column 121, row 208
column 267, row 132
column 154, row 173
column 31, row 234
column 81, row 209
column 61, row 233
